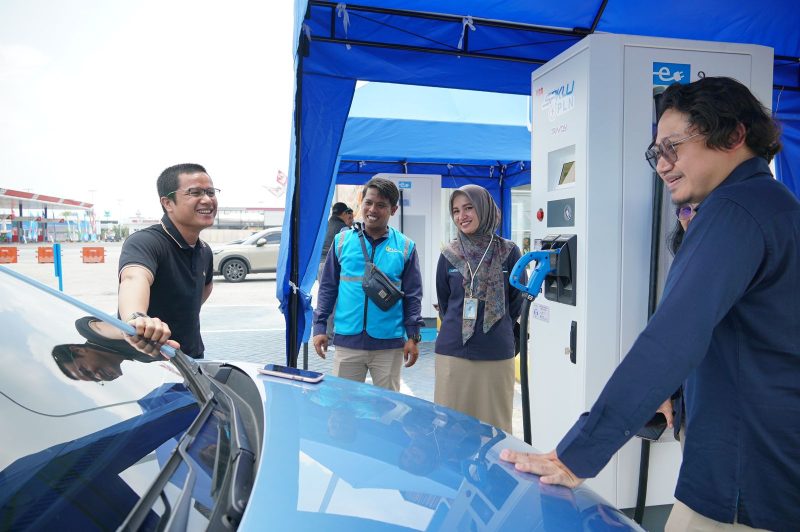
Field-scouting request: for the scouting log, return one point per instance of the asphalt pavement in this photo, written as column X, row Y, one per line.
column 240, row 321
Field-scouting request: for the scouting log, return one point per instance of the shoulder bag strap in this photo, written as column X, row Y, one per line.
column 367, row 259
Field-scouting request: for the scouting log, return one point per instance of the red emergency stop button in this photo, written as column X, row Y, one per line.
column 540, row 215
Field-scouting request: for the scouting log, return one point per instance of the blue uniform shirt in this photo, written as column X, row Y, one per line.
column 728, row 325
column 498, row 342
column 411, row 284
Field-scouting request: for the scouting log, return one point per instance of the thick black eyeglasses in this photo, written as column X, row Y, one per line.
column 665, row 149
column 198, row 192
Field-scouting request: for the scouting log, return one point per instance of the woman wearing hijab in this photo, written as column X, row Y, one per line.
column 478, row 308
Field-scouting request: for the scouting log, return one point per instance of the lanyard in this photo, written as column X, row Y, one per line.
column 473, row 274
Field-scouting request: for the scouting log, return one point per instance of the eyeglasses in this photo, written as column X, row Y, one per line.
column 198, row 192
column 685, row 212
column 665, row 149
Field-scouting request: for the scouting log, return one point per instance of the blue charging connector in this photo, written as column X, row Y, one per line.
column 546, row 263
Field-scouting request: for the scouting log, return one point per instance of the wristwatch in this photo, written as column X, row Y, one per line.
column 138, row 315
column 416, row 338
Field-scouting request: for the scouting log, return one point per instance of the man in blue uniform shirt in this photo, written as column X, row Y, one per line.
column 366, row 337
column 727, row 326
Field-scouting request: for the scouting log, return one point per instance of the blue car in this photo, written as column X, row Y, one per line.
column 98, row 436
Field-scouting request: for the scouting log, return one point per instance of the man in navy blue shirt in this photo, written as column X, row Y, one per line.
column 727, row 326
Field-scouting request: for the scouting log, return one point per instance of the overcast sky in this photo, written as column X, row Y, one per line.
column 98, row 96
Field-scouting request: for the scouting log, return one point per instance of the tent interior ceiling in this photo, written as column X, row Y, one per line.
column 529, row 34
column 465, row 136
column 485, row 46
column 496, row 157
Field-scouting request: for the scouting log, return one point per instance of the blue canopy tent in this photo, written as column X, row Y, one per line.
column 487, row 46
column 464, row 136
column 460, row 153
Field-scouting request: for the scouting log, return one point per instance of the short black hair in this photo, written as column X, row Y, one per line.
column 715, row 106
column 167, row 182
column 62, row 355
column 340, row 208
column 385, row 188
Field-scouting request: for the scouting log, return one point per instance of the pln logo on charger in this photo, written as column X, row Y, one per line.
column 669, row 73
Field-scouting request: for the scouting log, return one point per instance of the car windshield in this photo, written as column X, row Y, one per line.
column 99, row 423
column 252, row 239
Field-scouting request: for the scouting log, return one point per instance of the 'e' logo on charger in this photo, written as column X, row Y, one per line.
column 669, row 73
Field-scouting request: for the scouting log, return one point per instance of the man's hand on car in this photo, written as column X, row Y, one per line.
column 151, row 334
column 547, row 466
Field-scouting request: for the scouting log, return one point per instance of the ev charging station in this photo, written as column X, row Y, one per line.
column 419, row 217
column 593, row 118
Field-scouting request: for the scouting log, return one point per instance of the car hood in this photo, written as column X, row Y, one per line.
column 341, row 455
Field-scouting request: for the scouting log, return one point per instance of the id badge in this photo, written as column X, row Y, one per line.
column 470, row 308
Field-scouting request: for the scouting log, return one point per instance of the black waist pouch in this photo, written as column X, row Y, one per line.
column 377, row 286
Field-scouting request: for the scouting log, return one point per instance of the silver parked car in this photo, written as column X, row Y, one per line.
column 258, row 253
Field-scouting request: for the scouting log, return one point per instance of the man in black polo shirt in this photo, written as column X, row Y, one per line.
column 165, row 271
column 341, row 217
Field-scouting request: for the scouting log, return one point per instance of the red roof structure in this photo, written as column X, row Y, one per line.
column 11, row 199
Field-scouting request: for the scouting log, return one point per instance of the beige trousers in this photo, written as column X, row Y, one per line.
column 383, row 365
column 481, row 388
column 684, row 519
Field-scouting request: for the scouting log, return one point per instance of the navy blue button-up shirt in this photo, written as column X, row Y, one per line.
column 728, row 325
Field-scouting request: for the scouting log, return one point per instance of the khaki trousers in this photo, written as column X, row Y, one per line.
column 481, row 388
column 383, row 365
column 684, row 519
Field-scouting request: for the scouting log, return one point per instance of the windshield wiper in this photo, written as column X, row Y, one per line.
column 177, row 519
column 236, row 483
column 240, row 470
column 197, row 383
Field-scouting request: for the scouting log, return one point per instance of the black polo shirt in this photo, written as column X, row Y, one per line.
column 180, row 272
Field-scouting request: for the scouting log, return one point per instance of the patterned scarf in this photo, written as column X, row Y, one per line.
column 489, row 280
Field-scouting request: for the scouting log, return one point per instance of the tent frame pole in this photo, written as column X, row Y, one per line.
column 294, row 223
column 405, row 163
column 424, row 49
column 456, row 19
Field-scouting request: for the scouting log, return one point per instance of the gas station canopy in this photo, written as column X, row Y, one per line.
column 14, row 199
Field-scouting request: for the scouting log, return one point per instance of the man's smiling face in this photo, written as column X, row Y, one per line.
column 186, row 211
column 376, row 211
column 698, row 169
